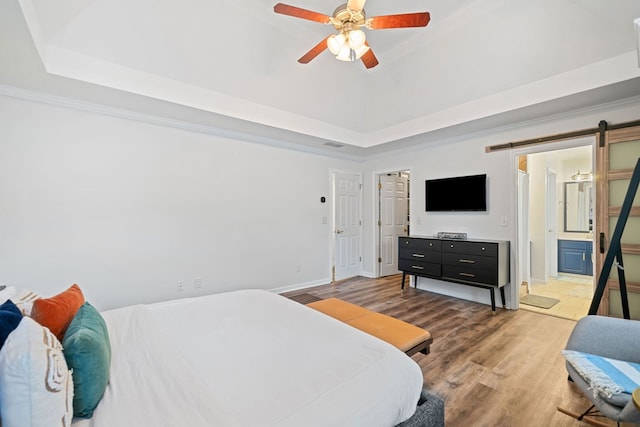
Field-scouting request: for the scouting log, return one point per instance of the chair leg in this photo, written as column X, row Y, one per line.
column 591, row 412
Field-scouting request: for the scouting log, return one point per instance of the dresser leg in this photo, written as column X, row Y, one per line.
column 504, row 304
column 403, row 276
column 493, row 301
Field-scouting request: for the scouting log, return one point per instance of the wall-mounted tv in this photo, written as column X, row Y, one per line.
column 460, row 193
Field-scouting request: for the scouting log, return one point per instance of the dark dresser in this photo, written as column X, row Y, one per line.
column 480, row 263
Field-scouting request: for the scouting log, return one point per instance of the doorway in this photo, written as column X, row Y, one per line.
column 554, row 254
column 347, row 222
column 393, row 199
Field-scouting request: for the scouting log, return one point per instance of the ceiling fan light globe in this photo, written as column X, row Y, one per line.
column 356, row 39
column 344, row 54
column 335, row 43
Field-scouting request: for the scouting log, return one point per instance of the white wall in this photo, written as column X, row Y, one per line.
column 466, row 156
column 126, row 209
column 455, row 158
column 537, row 166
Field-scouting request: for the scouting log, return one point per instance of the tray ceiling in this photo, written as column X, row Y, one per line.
column 476, row 60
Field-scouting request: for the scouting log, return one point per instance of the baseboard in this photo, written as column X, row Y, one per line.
column 299, row 286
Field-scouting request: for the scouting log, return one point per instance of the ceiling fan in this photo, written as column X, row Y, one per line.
column 350, row 43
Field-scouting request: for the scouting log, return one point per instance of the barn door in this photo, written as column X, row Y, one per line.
column 617, row 155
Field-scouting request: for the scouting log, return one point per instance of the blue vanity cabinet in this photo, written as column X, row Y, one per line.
column 574, row 256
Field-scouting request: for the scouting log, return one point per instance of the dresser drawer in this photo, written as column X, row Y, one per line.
column 470, row 248
column 475, row 275
column 418, row 243
column 419, row 267
column 419, row 254
column 476, row 262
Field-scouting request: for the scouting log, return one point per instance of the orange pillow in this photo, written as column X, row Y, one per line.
column 57, row 312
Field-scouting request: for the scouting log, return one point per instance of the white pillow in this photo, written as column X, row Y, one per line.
column 36, row 387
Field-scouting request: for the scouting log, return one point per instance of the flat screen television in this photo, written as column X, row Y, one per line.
column 461, row 193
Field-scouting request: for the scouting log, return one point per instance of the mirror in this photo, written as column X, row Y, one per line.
column 578, row 206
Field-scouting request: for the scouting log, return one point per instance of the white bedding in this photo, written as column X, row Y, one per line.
column 249, row 358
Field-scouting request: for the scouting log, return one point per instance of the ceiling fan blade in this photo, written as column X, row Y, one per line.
column 369, row 59
column 355, row 5
column 419, row 19
column 315, row 51
column 297, row 12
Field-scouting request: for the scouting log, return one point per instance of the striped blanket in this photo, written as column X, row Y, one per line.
column 604, row 375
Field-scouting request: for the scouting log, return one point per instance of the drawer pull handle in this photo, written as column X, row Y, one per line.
column 417, row 267
column 468, row 261
column 418, row 255
column 468, row 274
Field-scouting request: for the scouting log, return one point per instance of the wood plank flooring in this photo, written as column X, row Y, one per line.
column 502, row 370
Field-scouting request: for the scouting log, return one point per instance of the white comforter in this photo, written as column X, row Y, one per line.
column 249, row 358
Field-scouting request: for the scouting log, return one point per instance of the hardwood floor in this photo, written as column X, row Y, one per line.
column 502, row 370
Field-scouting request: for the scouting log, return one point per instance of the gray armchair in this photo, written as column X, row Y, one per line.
column 615, row 339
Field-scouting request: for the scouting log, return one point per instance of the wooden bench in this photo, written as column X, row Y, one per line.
column 402, row 335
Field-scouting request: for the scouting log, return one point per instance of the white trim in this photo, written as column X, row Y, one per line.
column 332, row 263
column 591, row 140
column 299, row 286
column 422, row 142
column 375, row 214
column 122, row 113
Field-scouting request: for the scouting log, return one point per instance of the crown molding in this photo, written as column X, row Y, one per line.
column 122, row 113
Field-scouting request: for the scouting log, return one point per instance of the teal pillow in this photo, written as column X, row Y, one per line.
column 88, row 353
column 10, row 317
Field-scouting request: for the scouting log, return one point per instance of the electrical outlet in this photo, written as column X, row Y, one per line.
column 180, row 287
column 197, row 283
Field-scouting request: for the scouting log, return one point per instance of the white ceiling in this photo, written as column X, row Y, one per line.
column 233, row 64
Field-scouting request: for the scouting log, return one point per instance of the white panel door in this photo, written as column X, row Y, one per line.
column 347, row 225
column 393, row 223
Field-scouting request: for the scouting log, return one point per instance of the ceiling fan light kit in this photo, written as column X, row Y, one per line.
column 350, row 44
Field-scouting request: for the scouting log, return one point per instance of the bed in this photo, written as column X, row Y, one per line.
column 252, row 358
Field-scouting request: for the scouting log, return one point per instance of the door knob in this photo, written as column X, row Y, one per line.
column 339, row 231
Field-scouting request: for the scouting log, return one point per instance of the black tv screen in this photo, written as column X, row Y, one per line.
column 461, row 193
